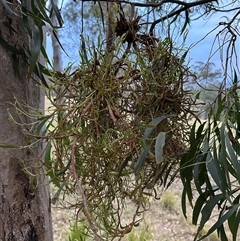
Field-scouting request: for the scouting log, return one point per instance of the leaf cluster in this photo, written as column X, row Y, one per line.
column 211, row 167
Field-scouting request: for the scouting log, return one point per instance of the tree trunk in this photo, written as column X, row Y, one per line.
column 25, row 212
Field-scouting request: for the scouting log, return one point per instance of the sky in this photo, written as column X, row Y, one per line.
column 197, row 30
column 201, row 51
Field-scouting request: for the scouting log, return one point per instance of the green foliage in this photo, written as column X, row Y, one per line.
column 34, row 16
column 211, row 166
column 211, row 237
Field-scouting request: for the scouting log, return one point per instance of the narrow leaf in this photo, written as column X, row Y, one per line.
column 221, row 220
column 4, row 145
column 47, row 157
column 184, row 203
column 160, row 142
column 207, row 210
column 198, row 207
column 233, row 156
column 187, row 21
column 8, row 46
column 37, row 43
column 124, row 164
column 140, row 162
column 153, row 124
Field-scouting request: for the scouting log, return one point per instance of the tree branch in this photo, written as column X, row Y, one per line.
column 184, row 8
column 154, row 5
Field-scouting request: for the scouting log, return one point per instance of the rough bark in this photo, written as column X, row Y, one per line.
column 24, row 199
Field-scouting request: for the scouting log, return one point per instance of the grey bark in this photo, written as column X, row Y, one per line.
column 25, row 211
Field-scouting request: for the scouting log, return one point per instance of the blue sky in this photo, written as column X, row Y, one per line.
column 197, row 30
column 201, row 51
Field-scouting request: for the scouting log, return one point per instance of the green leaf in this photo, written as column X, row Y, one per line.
column 233, row 221
column 221, row 220
column 64, row 169
column 4, row 145
column 37, row 43
column 198, row 95
column 183, row 57
column 56, row 37
column 192, row 133
column 8, row 46
column 235, row 227
column 198, row 207
column 214, row 169
column 220, row 106
column 207, row 210
column 200, row 130
column 187, row 21
column 47, row 156
column 235, row 77
column 153, row 124
column 9, row 26
column 184, row 203
column 141, row 160
column 233, row 156
column 160, row 142
column 222, row 233
column 223, row 160
column 170, row 178
column 25, row 20
column 57, row 13
column 102, row 15
column 40, row 12
column 200, row 172
column 38, row 70
column 124, row 164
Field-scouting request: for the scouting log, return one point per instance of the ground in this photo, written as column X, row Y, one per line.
column 163, row 222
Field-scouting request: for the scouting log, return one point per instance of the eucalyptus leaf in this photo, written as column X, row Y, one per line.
column 221, row 220
column 47, row 156
column 4, row 145
column 207, row 210
column 37, row 43
column 140, row 162
column 160, row 142
column 153, row 124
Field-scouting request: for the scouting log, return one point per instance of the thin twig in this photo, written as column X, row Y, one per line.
column 81, row 190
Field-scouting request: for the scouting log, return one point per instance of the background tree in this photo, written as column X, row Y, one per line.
column 207, row 82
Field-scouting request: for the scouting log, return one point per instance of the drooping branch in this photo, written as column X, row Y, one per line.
column 158, row 4
column 185, row 7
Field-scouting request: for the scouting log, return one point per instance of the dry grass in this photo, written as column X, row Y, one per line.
column 163, row 222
